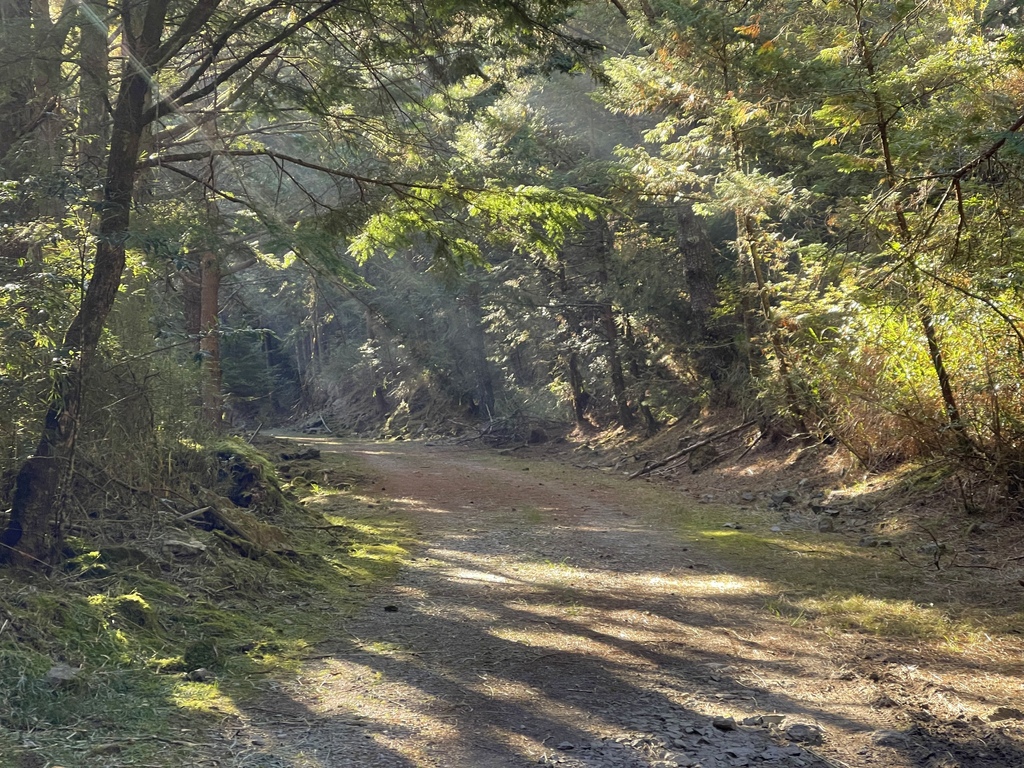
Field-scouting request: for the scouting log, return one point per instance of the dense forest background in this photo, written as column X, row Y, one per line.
column 419, row 218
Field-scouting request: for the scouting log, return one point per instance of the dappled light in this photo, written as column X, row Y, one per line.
column 509, row 638
column 652, row 372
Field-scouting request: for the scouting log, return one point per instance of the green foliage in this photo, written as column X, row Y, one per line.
column 855, row 144
column 97, row 653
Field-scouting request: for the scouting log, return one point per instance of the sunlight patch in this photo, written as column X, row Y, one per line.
column 464, row 574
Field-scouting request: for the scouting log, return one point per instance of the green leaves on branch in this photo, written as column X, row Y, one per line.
column 457, row 223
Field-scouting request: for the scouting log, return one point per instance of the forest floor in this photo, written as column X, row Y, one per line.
column 555, row 612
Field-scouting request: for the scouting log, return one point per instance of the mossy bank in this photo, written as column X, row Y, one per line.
column 121, row 654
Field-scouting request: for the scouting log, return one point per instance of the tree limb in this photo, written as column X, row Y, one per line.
column 690, row 449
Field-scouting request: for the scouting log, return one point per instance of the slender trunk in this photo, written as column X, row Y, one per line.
column 577, row 386
column 625, row 413
column 639, row 373
column 578, row 392
column 93, row 89
column 757, row 265
column 478, row 348
column 30, row 124
column 698, row 256
column 923, row 309
column 209, row 338
column 17, row 90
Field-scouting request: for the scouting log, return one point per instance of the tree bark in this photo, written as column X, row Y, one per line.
column 93, row 89
column 922, row 307
column 602, row 247
column 577, row 385
column 209, row 338
column 698, row 256
column 478, row 348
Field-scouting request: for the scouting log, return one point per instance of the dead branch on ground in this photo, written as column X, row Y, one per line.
column 648, row 468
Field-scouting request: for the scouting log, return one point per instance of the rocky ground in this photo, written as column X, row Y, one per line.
column 553, row 619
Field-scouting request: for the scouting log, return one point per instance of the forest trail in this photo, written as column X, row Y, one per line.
column 549, row 618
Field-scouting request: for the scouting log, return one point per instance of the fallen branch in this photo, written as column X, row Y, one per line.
column 689, row 449
column 193, row 514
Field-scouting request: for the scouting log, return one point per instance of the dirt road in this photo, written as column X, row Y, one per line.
column 549, row 619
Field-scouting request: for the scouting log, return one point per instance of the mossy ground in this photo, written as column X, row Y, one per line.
column 129, row 633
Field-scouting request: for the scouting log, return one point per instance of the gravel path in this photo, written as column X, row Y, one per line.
column 552, row 617
column 542, row 623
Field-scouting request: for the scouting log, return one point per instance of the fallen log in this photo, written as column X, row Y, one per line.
column 648, row 468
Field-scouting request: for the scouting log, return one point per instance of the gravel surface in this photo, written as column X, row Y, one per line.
column 548, row 621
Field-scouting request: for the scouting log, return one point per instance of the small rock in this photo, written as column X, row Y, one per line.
column 825, row 525
column 391, row 608
column 748, row 497
column 776, row 529
column 178, row 548
column 888, row 739
column 805, row 734
column 724, row 723
column 783, row 497
column 734, row 526
column 201, row 675
column 60, row 675
column 873, row 541
column 566, row 746
column 739, row 752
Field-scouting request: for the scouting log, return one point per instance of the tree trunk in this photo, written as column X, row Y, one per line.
column 602, row 247
column 923, row 309
column 578, row 391
column 30, row 127
column 209, row 338
column 698, row 256
column 625, row 412
column 577, row 385
column 93, row 89
column 29, row 536
column 478, row 348
column 748, row 240
column 639, row 373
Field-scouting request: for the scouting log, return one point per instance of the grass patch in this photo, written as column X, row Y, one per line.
column 824, row 580
column 94, row 659
column 532, row 515
column 830, row 582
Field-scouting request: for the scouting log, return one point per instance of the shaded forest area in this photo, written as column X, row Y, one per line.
column 417, row 220
column 506, row 220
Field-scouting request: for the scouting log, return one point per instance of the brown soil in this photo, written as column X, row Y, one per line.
column 550, row 618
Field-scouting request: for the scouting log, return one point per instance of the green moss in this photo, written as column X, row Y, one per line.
column 133, row 631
